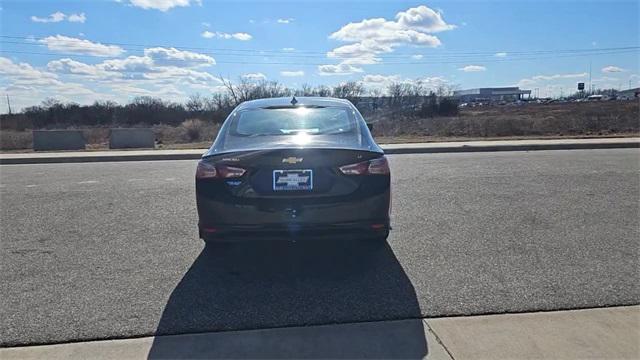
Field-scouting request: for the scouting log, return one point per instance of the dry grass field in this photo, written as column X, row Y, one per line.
column 555, row 120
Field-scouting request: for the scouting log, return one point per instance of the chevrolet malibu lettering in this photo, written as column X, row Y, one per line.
column 283, row 167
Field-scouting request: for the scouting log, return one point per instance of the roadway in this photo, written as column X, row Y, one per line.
column 110, row 250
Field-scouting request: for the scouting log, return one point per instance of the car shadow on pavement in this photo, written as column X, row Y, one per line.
column 262, row 285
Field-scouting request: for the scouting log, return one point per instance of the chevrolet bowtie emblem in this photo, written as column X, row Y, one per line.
column 292, row 160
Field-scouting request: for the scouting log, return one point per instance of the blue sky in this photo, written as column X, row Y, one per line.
column 83, row 51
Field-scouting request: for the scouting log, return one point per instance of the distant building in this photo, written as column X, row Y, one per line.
column 629, row 94
column 507, row 94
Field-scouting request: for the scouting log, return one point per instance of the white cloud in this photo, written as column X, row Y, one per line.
column 156, row 62
column 28, row 85
column 433, row 81
column 292, row 73
column 241, row 36
column 288, row 49
column 205, row 24
column 175, row 57
column 285, row 21
column 607, row 82
column 162, row 5
column 118, row 79
column 558, row 76
column 53, row 18
column 172, row 75
column 612, row 69
column 60, row 16
column 222, row 35
column 417, row 56
column 378, row 79
column 22, row 70
column 424, row 19
column 79, row 18
column 130, row 64
column 382, row 82
column 526, row 82
column 473, row 68
column 254, row 77
column 79, row 46
column 371, row 37
column 551, row 85
column 500, row 54
column 359, row 53
column 380, row 32
column 158, row 66
column 339, row 69
column 72, row 67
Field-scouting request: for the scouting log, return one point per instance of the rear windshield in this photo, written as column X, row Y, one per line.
column 292, row 121
column 293, row 126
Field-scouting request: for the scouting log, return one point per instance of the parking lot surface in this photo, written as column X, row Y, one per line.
column 110, row 250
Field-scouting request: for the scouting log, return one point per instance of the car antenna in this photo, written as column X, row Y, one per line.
column 294, row 101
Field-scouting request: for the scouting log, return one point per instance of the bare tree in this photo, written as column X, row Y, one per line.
column 375, row 92
column 229, row 86
column 350, row 90
column 195, row 103
column 322, row 91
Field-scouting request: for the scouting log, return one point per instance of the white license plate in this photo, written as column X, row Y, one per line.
column 293, row 180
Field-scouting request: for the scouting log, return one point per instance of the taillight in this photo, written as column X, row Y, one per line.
column 225, row 171
column 207, row 170
column 378, row 166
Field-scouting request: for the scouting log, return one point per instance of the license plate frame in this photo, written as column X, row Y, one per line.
column 290, row 177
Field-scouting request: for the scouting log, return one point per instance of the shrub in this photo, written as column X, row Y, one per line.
column 96, row 135
column 193, row 129
column 14, row 140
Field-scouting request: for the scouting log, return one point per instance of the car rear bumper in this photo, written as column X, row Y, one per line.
column 365, row 217
column 296, row 232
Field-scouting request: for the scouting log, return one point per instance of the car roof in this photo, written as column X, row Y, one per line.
column 301, row 101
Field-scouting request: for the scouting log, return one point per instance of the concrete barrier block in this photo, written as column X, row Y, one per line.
column 44, row 140
column 131, row 138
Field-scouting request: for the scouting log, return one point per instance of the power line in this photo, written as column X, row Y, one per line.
column 262, row 52
column 442, row 57
column 430, row 62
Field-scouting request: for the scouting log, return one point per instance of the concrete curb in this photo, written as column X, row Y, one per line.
column 607, row 333
column 523, row 147
column 99, row 158
column 420, row 148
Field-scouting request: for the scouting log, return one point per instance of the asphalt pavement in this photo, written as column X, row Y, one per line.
column 110, row 250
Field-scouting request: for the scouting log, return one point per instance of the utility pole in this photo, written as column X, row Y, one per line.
column 590, row 86
column 9, row 104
